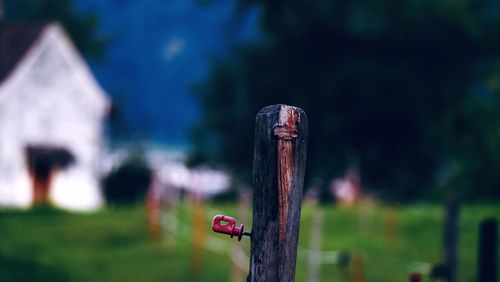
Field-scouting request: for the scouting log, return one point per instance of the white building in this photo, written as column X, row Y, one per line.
column 51, row 120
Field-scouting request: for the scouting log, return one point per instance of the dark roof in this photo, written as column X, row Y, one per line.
column 15, row 40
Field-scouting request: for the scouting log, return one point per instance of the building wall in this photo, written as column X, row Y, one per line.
column 51, row 99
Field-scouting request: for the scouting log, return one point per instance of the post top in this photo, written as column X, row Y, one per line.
column 287, row 120
column 279, row 108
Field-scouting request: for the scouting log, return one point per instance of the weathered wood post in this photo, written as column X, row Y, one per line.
column 278, row 176
column 488, row 246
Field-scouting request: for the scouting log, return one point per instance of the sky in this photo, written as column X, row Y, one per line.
column 158, row 51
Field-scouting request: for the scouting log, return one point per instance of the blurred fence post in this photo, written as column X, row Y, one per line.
column 488, row 246
column 450, row 239
column 199, row 234
column 415, row 277
column 244, row 196
column 153, row 202
column 358, row 268
column 314, row 257
column 278, row 176
column 391, row 229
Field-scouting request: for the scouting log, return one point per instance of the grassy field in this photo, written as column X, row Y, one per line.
column 113, row 244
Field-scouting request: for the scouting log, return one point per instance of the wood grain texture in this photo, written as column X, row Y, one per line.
column 286, row 132
column 278, row 176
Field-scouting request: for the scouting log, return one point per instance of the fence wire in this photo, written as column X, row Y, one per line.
column 234, row 251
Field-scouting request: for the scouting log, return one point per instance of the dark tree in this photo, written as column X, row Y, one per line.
column 129, row 183
column 404, row 91
column 81, row 28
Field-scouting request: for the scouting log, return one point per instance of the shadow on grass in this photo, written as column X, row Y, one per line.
column 25, row 269
column 45, row 209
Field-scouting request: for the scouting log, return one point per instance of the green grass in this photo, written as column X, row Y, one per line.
column 113, row 244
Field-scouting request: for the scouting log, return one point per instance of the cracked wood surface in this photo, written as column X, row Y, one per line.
column 286, row 132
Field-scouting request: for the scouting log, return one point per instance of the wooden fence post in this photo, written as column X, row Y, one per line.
column 358, row 268
column 199, row 234
column 278, row 176
column 316, row 232
column 244, row 196
column 450, row 238
column 488, row 246
column 415, row 277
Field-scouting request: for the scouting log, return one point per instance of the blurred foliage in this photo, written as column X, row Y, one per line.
column 406, row 92
column 81, row 28
column 129, row 183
